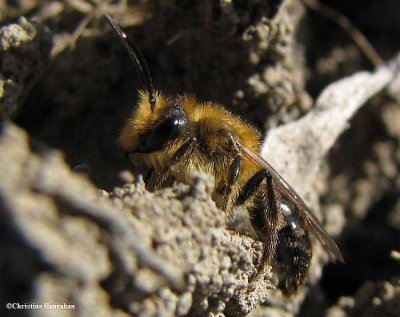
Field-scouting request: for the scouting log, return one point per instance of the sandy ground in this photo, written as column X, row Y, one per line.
column 77, row 228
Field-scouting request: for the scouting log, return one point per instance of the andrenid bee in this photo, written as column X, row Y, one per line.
column 175, row 135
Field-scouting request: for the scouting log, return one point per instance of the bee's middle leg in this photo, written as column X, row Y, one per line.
column 233, row 174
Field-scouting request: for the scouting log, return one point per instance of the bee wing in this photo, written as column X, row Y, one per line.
column 284, row 187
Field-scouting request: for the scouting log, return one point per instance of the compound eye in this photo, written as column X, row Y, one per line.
column 167, row 130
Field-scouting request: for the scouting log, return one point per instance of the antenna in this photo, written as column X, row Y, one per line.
column 137, row 57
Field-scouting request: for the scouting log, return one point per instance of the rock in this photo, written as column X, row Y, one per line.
column 24, row 54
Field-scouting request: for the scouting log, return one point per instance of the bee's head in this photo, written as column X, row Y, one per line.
column 148, row 131
column 157, row 121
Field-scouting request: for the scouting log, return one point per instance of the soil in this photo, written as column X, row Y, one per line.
column 77, row 226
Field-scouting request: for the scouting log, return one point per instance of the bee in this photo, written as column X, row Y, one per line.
column 174, row 135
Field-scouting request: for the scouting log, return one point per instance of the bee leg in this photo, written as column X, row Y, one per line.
column 234, row 170
column 149, row 178
column 265, row 213
column 185, row 150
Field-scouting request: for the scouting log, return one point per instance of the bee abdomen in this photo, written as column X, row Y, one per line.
column 293, row 256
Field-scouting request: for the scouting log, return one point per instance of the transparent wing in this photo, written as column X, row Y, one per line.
column 284, row 187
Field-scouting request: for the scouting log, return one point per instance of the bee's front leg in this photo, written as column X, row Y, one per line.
column 183, row 152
